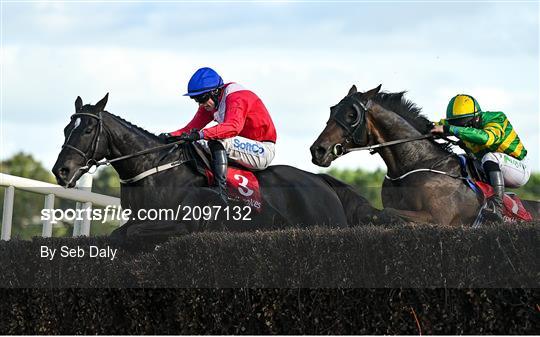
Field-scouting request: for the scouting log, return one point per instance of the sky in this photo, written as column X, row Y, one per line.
column 300, row 58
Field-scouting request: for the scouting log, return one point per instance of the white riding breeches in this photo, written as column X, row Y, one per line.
column 515, row 171
column 249, row 153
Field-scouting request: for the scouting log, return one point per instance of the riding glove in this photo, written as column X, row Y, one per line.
column 192, row 136
column 168, row 138
column 164, row 137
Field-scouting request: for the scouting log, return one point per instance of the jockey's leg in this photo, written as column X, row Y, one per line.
column 251, row 154
column 219, row 168
column 502, row 170
column 496, row 181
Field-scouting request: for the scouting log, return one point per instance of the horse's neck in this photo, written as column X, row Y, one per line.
column 386, row 126
column 126, row 139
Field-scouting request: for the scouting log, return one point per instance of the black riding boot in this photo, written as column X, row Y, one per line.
column 219, row 167
column 495, row 209
column 497, row 182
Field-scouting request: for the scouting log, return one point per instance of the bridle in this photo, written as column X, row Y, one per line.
column 355, row 132
column 91, row 152
column 89, row 155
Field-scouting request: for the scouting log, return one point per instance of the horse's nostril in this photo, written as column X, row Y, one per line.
column 320, row 151
column 63, row 172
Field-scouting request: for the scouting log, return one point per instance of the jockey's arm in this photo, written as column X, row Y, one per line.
column 442, row 127
column 234, row 120
column 199, row 121
column 489, row 134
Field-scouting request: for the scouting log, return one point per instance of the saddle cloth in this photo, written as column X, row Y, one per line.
column 242, row 185
column 513, row 207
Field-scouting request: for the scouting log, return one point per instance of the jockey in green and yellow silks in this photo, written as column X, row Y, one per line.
column 491, row 138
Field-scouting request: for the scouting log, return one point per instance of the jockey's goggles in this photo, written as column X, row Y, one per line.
column 463, row 121
column 202, row 98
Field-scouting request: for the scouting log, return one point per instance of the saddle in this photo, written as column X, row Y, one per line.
column 475, row 178
column 242, row 184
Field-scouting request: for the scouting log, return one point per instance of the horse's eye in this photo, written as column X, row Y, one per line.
column 88, row 130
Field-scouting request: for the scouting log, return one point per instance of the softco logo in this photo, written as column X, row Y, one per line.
column 250, row 147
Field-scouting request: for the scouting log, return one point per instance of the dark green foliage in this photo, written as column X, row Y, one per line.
column 24, row 165
column 369, row 184
column 106, row 181
column 531, row 190
column 27, row 206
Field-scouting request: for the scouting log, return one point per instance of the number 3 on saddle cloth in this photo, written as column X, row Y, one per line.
column 513, row 207
column 242, row 185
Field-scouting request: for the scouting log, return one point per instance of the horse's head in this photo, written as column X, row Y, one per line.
column 346, row 128
column 85, row 142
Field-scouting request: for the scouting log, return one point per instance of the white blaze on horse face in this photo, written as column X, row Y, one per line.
column 77, row 123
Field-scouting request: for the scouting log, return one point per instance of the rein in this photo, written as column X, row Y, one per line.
column 357, row 130
column 90, row 161
column 338, row 148
column 127, row 156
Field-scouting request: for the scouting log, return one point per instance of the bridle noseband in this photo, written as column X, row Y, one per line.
column 89, row 155
column 356, row 131
column 91, row 152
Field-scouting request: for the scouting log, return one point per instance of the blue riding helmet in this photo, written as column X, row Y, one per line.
column 204, row 80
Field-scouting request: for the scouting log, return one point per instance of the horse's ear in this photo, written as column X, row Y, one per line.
column 372, row 92
column 78, row 103
column 352, row 90
column 100, row 106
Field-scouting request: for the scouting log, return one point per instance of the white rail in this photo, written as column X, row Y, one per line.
column 83, row 196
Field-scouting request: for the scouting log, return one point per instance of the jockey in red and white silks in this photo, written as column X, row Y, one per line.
column 244, row 127
column 245, row 132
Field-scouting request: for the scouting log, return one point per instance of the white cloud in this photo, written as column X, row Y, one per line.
column 299, row 66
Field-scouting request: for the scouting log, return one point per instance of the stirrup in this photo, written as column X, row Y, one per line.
column 488, row 215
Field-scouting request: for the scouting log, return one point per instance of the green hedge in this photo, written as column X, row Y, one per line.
column 362, row 257
column 269, row 311
column 270, row 282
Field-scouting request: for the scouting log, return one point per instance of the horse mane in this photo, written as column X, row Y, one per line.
column 122, row 120
column 397, row 103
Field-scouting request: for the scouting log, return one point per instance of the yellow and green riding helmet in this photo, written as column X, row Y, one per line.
column 462, row 106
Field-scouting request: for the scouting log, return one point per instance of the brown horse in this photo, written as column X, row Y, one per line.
column 423, row 182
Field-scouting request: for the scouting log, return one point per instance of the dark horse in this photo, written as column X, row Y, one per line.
column 291, row 197
column 373, row 117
